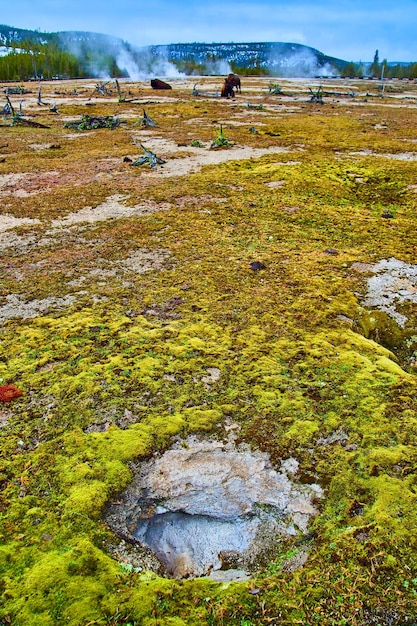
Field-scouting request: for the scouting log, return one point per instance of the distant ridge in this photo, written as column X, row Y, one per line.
column 9, row 35
column 276, row 58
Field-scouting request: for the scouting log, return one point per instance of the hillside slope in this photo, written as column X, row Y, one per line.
column 286, row 59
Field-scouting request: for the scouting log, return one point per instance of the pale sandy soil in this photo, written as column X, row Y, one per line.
column 180, row 160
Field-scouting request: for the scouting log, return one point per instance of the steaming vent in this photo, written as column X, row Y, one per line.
column 205, row 508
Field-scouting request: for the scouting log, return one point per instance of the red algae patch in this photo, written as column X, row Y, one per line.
column 9, row 392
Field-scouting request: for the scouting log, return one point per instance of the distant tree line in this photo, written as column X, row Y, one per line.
column 30, row 60
column 379, row 69
column 38, row 61
column 376, row 69
column 210, row 66
column 33, row 60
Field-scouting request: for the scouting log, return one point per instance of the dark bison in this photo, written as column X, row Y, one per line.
column 227, row 90
column 156, row 83
column 234, row 80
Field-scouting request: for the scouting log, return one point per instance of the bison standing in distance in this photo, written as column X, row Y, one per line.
column 230, row 82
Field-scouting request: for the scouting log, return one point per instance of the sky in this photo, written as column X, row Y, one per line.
column 350, row 30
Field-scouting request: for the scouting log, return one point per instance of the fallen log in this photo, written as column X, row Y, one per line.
column 91, row 122
column 205, row 94
column 16, row 91
column 18, row 120
column 340, row 94
column 255, row 107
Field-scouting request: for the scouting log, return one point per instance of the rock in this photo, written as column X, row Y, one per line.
column 297, row 561
column 394, row 282
column 213, row 375
column 338, row 436
column 203, row 506
column 257, row 265
column 230, row 575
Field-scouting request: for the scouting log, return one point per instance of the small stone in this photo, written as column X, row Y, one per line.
column 230, row 575
column 230, row 559
column 331, row 251
column 213, row 375
column 356, row 509
column 257, row 265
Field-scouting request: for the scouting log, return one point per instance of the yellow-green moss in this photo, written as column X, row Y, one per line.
column 111, row 379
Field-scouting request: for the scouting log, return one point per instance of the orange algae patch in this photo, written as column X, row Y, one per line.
column 9, row 392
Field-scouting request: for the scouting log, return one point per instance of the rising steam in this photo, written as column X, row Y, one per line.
column 104, row 56
column 142, row 63
column 101, row 55
column 300, row 64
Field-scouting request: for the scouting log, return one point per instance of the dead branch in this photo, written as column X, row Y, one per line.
column 256, row 107
column 316, row 96
column 146, row 120
column 101, row 88
column 19, row 120
column 150, row 158
column 275, row 89
column 40, row 103
column 204, row 94
column 10, row 106
column 123, row 98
